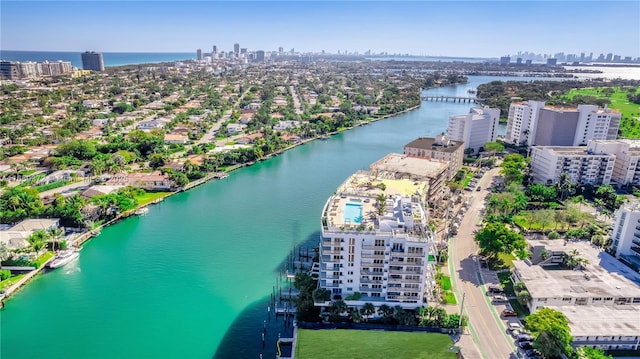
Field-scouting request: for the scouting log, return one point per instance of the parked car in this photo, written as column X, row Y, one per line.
column 525, row 345
column 531, row 352
column 508, row 313
column 495, row 289
column 500, row 299
column 525, row 337
column 514, row 326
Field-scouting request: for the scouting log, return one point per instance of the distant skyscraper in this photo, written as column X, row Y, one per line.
column 280, row 51
column 236, row 49
column 199, row 53
column 92, row 61
column 505, row 60
column 260, row 56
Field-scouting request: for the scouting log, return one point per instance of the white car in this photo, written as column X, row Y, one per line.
column 514, row 326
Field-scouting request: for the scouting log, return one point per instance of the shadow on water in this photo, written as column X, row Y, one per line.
column 243, row 339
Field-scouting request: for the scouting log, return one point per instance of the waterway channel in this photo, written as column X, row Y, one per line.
column 192, row 278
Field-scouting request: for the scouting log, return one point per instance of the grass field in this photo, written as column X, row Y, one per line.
column 149, row 197
column 503, row 261
column 365, row 344
column 618, row 100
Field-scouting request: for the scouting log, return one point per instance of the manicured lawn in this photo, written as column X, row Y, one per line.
column 444, row 282
column 449, row 297
column 502, row 261
column 43, row 258
column 52, row 185
column 618, row 101
column 10, row 281
column 149, row 197
column 365, row 344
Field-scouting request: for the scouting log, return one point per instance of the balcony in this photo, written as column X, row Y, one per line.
column 369, row 272
column 370, row 281
column 374, row 256
column 369, row 264
column 328, row 251
column 419, row 255
column 402, row 271
column 374, row 290
column 398, row 263
column 372, row 248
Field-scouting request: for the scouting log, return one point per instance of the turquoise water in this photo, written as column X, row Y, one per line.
column 192, row 278
column 353, row 212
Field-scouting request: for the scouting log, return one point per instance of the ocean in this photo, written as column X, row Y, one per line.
column 110, row 58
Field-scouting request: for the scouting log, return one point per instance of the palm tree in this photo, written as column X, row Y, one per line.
column 38, row 240
column 54, row 233
column 367, row 310
column 355, row 315
column 387, row 313
column 439, row 316
column 336, row 310
column 524, row 297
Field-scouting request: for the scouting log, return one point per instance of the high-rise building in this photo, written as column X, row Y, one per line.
column 625, row 244
column 260, row 56
column 532, row 123
column 440, row 148
column 384, row 251
column 475, row 128
column 9, row 70
column 92, row 60
column 280, row 51
column 505, row 60
column 582, row 166
column 236, row 49
column 199, row 54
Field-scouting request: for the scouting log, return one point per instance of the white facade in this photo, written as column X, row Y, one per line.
column 522, row 121
column 475, row 128
column 626, row 233
column 532, row 123
column 548, row 163
column 386, row 258
column 627, row 165
column 601, row 300
column 595, row 124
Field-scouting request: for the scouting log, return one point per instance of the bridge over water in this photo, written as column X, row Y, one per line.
column 452, row 99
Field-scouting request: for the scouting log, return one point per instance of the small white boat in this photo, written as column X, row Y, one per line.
column 142, row 211
column 64, row 257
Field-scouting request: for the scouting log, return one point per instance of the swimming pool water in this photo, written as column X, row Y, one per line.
column 353, row 212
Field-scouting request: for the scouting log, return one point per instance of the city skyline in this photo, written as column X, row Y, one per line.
column 464, row 29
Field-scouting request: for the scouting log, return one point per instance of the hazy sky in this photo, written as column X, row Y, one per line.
column 453, row 28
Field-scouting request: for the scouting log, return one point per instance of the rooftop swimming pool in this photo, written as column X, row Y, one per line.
column 353, row 212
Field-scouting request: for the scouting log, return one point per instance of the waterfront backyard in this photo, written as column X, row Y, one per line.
column 355, row 344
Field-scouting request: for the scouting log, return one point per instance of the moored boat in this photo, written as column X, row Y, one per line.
column 63, row 257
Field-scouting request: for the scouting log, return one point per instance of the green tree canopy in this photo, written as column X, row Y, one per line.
column 82, row 150
column 17, row 203
column 494, row 147
column 551, row 331
column 513, row 167
column 496, row 238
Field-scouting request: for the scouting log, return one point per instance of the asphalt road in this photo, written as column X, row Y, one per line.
column 490, row 335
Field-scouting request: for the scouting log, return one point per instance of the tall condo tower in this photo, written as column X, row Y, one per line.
column 92, row 61
column 199, row 54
